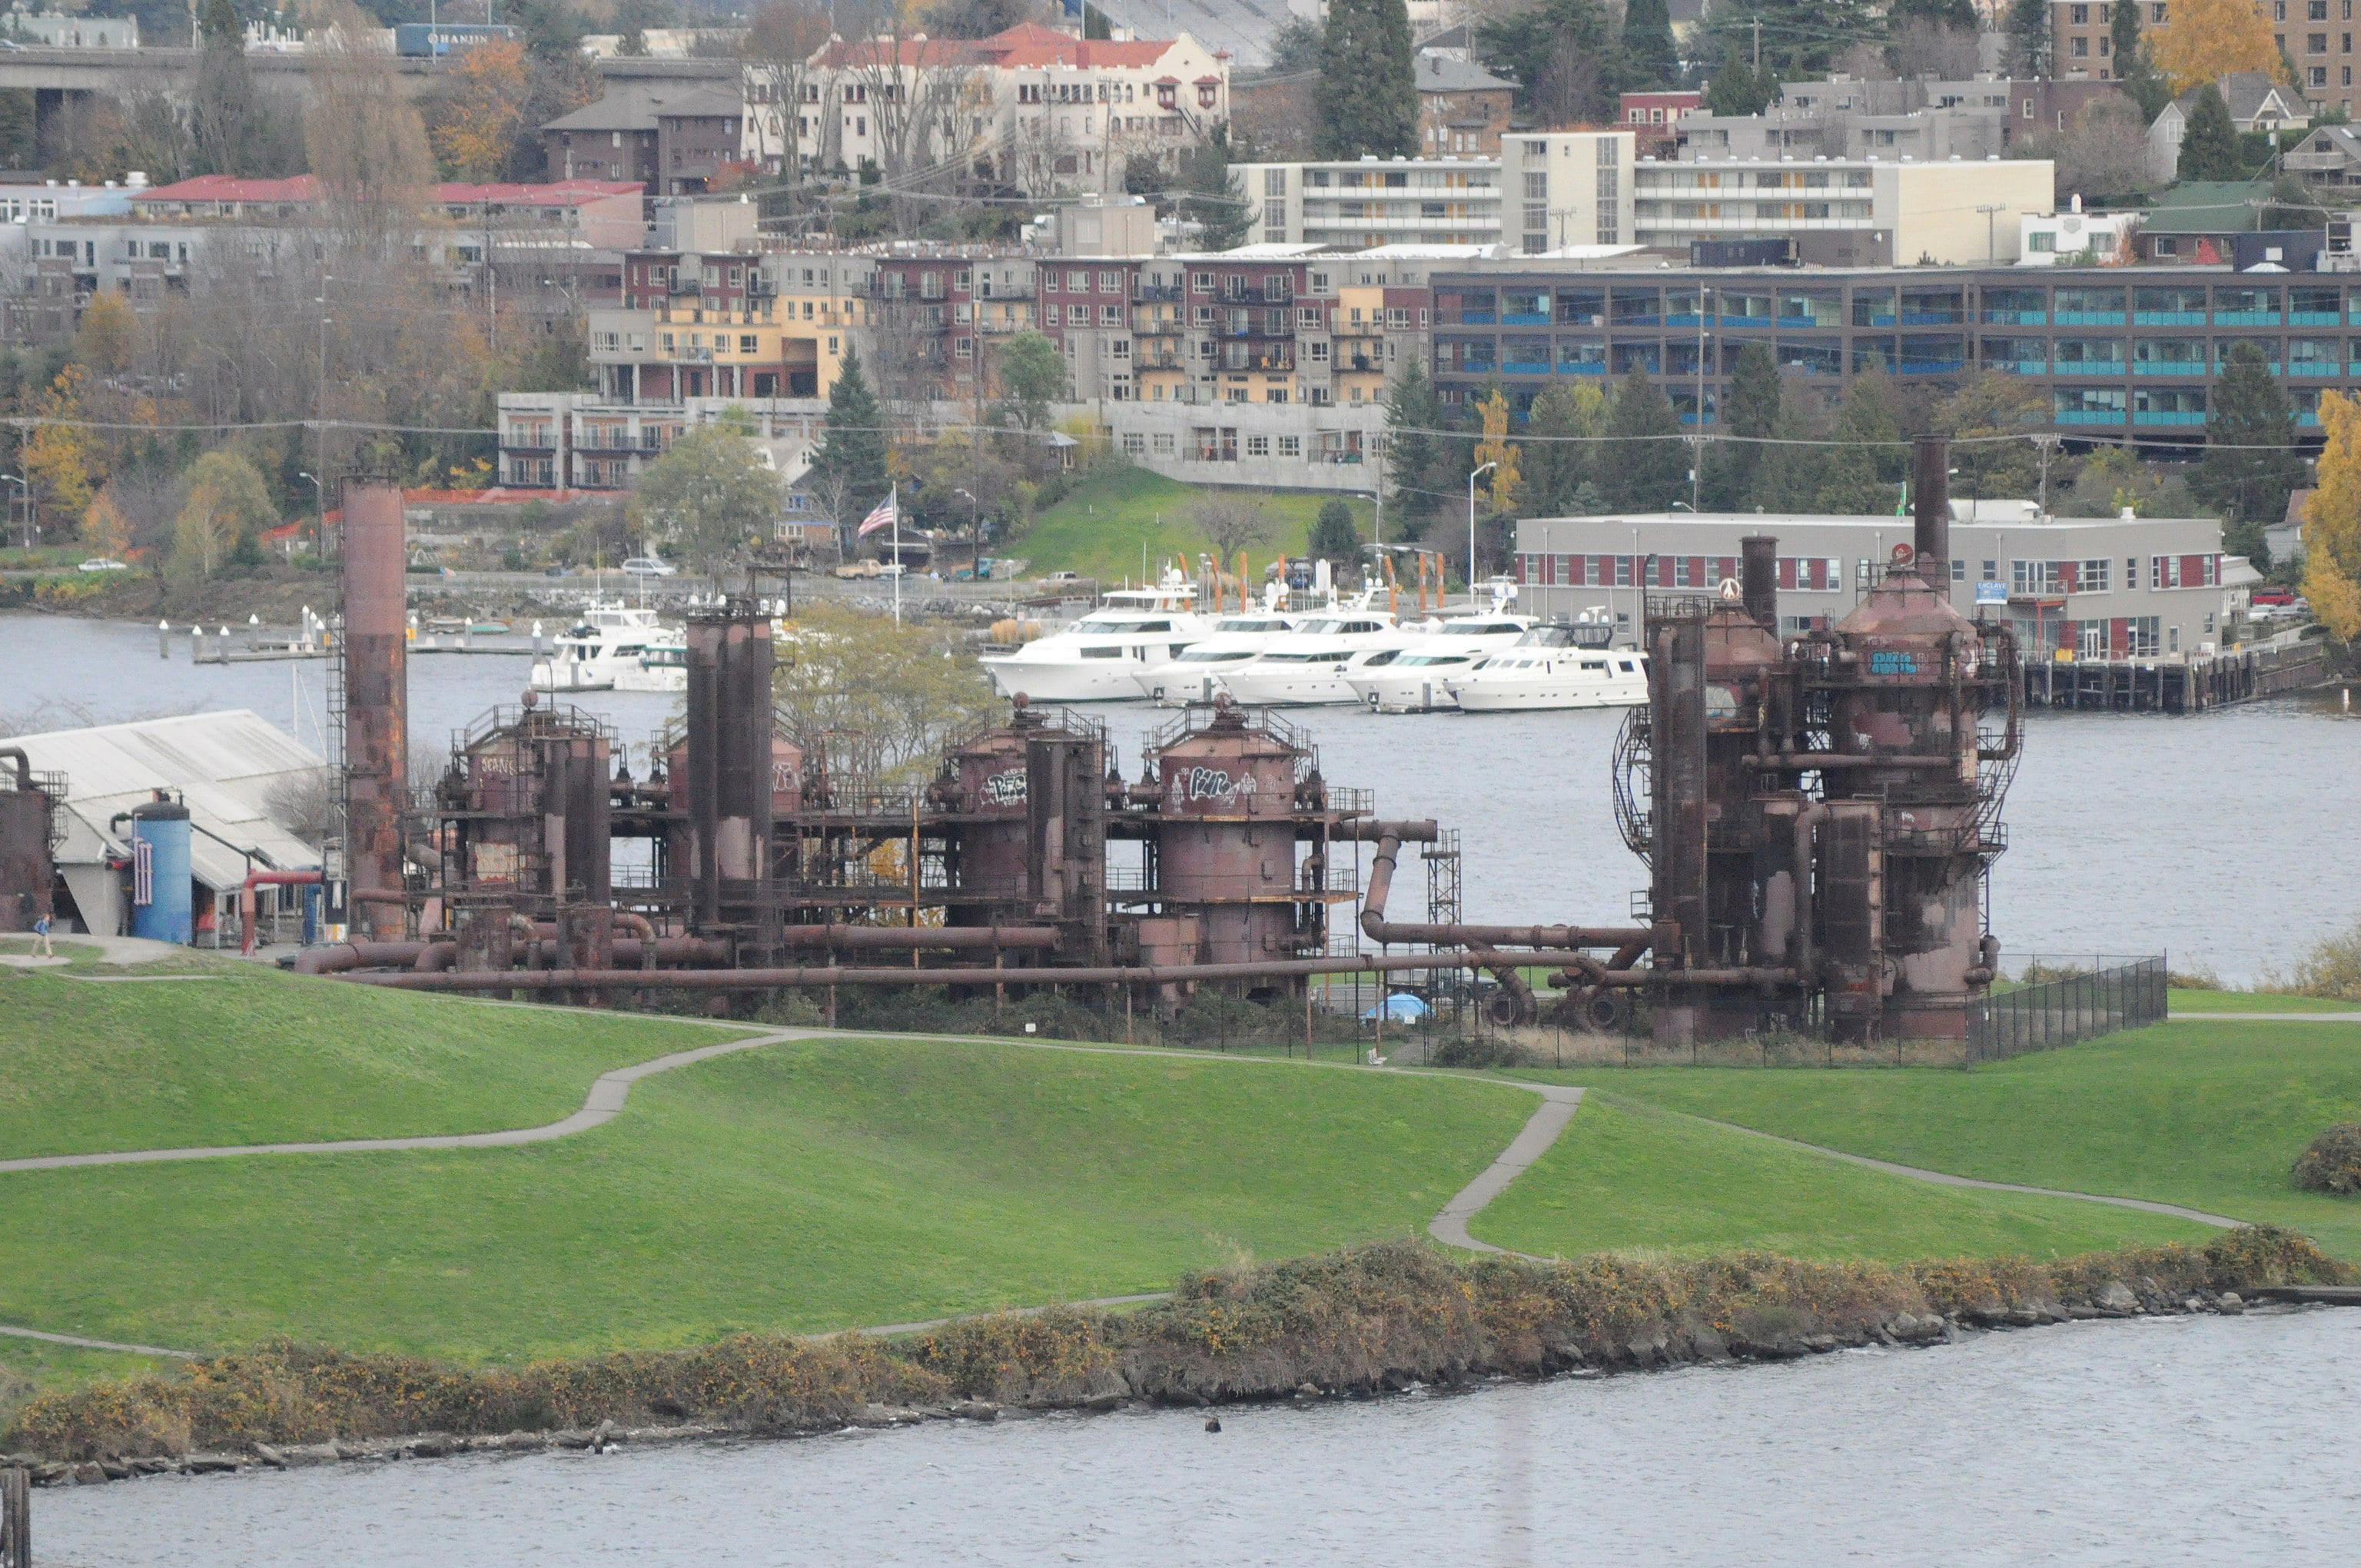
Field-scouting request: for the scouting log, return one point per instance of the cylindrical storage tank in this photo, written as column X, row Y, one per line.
column 161, row 893
column 989, row 781
column 28, row 874
column 375, row 677
column 1225, row 837
column 728, row 781
column 1905, row 690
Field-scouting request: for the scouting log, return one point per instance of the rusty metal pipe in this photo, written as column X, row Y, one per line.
column 1378, row 928
column 24, row 766
column 1823, row 762
column 1930, row 499
column 955, row 939
column 433, row 958
column 1163, row 974
column 638, row 924
column 1801, row 957
column 333, row 958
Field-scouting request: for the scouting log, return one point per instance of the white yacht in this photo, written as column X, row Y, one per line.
column 1100, row 656
column 1307, row 664
column 1557, row 667
column 663, row 666
column 1414, row 678
column 1192, row 674
column 596, row 652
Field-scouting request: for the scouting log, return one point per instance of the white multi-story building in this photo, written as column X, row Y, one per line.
column 1847, row 212
column 1047, row 111
column 1557, row 191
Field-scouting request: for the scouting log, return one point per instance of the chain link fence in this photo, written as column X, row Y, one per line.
column 2063, row 1003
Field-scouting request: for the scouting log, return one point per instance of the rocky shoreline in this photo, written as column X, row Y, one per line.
column 1372, row 1321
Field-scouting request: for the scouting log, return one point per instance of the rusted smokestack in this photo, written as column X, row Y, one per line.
column 377, row 700
column 1930, row 488
column 729, row 762
column 1758, row 577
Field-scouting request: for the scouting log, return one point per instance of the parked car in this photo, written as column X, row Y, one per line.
column 2273, row 596
column 102, row 563
column 1062, row 576
column 892, row 569
column 649, row 566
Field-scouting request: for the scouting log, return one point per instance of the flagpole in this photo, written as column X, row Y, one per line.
column 893, row 498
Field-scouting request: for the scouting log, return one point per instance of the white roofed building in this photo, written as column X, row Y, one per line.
column 236, row 772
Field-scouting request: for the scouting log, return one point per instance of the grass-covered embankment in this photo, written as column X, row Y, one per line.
column 256, row 1056
column 1627, row 1175
column 1101, row 527
column 2191, row 1001
column 1360, row 1321
column 807, row 1185
column 2209, row 1115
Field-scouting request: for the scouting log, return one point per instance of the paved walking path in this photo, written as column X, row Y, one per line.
column 80, row 1343
column 1557, row 1108
column 1945, row 1179
column 2265, row 1018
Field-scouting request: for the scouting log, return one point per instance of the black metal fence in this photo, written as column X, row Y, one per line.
column 2062, row 1003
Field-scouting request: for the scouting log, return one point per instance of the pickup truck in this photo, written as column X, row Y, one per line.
column 861, row 569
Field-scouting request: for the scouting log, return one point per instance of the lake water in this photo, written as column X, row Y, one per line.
column 2217, row 838
column 2165, row 1442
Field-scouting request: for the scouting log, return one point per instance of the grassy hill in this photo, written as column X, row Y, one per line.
column 1627, row 1175
column 255, row 1055
column 2208, row 1115
column 1101, row 528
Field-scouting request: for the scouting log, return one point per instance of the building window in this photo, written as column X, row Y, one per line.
column 1290, row 446
column 1135, row 443
column 1274, row 182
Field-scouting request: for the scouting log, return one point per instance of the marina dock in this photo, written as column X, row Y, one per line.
column 2192, row 684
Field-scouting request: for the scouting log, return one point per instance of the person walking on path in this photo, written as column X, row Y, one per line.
column 41, row 935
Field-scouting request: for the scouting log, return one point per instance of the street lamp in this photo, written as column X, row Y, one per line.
column 25, row 492
column 974, row 523
column 1471, row 527
column 320, row 530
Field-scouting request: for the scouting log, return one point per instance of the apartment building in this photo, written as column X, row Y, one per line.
column 2117, row 351
column 2315, row 35
column 1542, row 192
column 674, row 138
column 1462, row 107
column 1046, row 110
column 1654, row 118
column 575, row 442
column 2089, row 587
column 1844, row 212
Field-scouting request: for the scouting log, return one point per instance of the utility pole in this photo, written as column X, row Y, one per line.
column 1758, row 46
column 2044, row 443
column 1697, row 456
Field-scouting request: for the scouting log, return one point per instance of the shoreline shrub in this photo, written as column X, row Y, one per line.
column 2333, row 1163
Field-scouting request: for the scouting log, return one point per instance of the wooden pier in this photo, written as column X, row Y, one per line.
column 2190, row 684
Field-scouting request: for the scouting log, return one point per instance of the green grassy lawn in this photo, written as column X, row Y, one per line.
column 1101, row 528
column 262, row 1056
column 2255, row 1001
column 807, row 1186
column 2210, row 1115
column 1627, row 1175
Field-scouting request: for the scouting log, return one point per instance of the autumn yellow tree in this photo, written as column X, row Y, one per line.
column 2211, row 39
column 60, row 457
column 482, row 111
column 108, row 336
column 1496, row 448
column 228, row 502
column 104, row 528
column 2332, row 523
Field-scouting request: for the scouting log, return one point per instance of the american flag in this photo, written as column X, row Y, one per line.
column 883, row 517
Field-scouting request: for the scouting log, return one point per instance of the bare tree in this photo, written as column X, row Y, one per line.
column 1230, row 523
column 781, row 39
column 1922, row 48
column 2102, row 152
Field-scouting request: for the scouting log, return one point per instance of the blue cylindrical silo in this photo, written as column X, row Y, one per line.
column 161, row 896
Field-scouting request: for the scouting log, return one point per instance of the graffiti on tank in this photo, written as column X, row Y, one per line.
column 1210, row 784
column 1893, row 664
column 1005, row 788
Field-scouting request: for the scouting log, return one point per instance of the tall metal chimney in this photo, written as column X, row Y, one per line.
column 1930, row 489
column 1758, row 577
column 729, row 786
column 377, row 700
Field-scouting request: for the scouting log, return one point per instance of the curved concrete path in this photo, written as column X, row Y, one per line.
column 1944, row 1179
column 602, row 1104
column 1557, row 1108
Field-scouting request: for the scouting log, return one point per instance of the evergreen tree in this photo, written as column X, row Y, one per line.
column 1649, row 58
column 1738, row 89
column 223, row 115
column 2250, row 487
column 1957, row 15
column 1788, row 477
column 2142, row 82
column 1555, row 471
column 1649, row 472
column 1859, row 476
column 1214, row 203
column 1335, row 539
column 1367, row 100
column 2028, row 36
column 1412, row 411
column 2208, row 148
column 1751, row 410
column 853, row 448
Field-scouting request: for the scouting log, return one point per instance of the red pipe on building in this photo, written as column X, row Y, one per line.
column 246, row 898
